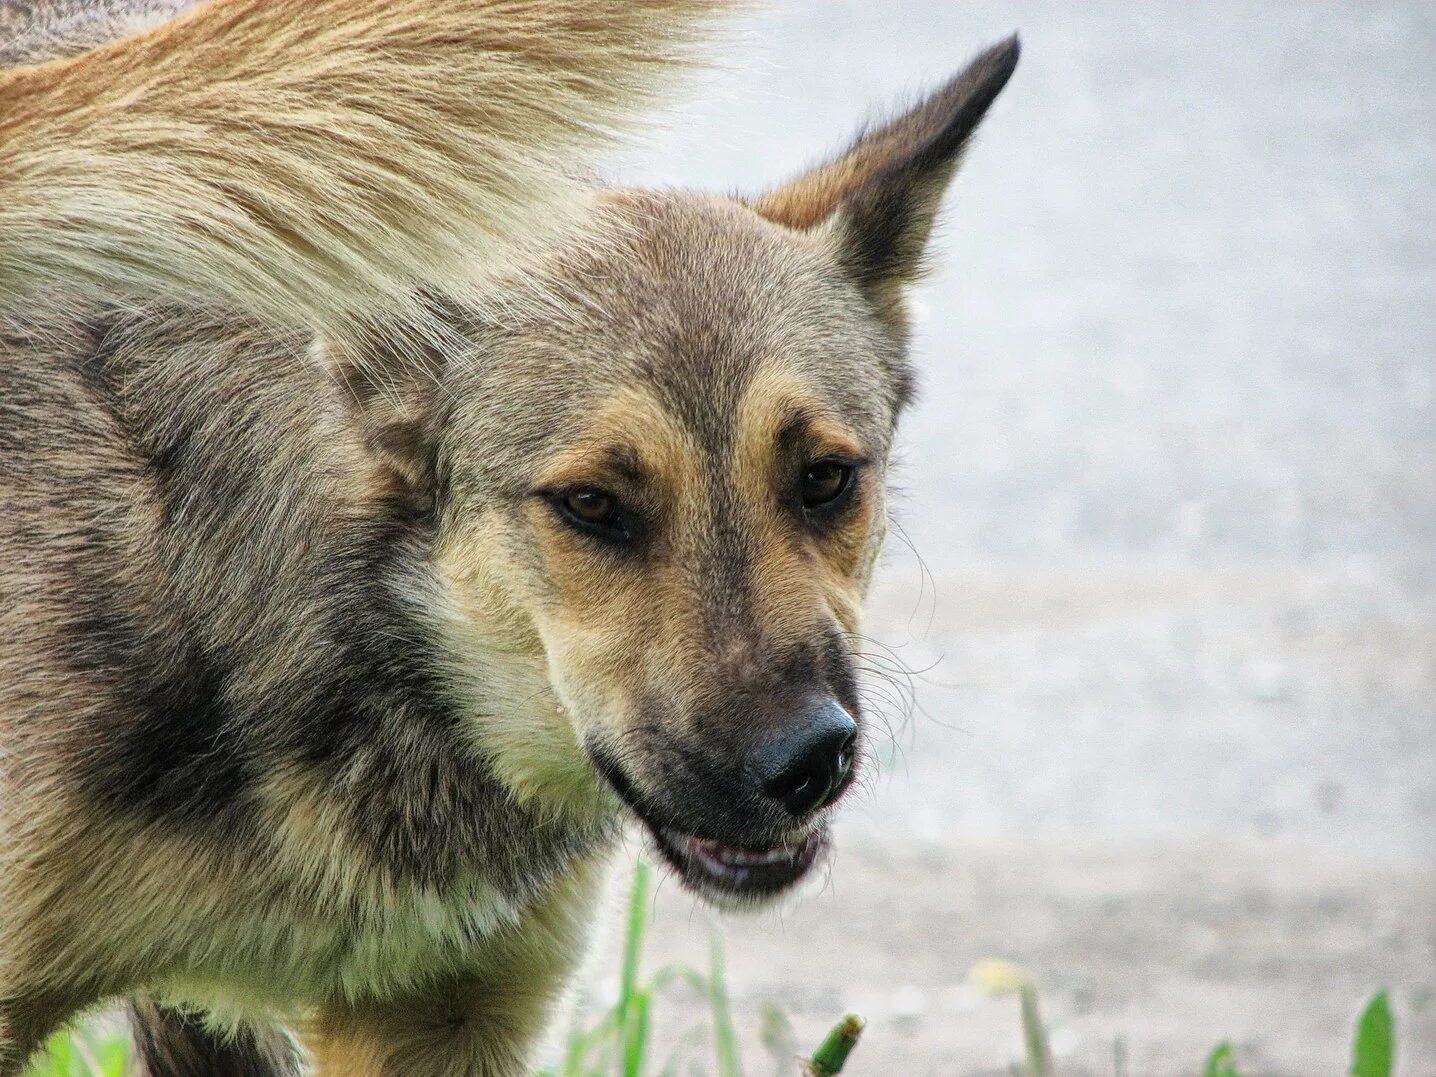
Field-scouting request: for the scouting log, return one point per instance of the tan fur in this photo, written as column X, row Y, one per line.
column 313, row 160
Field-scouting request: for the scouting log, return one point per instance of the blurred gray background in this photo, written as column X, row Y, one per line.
column 1173, row 486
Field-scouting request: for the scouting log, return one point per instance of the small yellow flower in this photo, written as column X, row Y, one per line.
column 995, row 976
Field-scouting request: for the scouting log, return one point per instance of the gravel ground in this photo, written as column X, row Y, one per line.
column 1173, row 487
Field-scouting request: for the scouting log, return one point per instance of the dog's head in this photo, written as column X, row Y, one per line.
column 666, row 485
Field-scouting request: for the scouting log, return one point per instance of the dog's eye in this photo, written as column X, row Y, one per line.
column 824, row 482
column 592, row 506
column 594, row 511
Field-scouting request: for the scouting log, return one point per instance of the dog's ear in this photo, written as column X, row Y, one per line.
column 877, row 200
column 390, row 386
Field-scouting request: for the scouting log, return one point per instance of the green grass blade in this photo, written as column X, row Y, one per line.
column 580, row 1043
column 90, row 1064
column 628, row 991
column 692, row 1036
column 113, row 1054
column 674, row 973
column 1222, row 1062
column 572, row 1052
column 635, row 1038
column 1373, row 1054
column 726, row 1040
column 599, row 1041
column 775, row 1033
column 1039, row 1052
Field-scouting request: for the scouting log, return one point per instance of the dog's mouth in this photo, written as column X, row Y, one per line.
column 744, row 873
column 720, row 871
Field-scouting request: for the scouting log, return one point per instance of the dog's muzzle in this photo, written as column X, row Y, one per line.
column 742, row 826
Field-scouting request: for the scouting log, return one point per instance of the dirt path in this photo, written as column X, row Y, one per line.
column 1170, row 948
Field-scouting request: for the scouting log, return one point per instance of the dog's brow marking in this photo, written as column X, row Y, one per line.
column 625, row 460
column 779, row 409
column 631, row 434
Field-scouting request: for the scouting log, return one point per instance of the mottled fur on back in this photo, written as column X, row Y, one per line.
column 330, row 679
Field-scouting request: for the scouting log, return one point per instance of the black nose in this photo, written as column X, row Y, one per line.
column 804, row 765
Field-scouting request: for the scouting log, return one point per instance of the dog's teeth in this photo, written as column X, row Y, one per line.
column 734, row 861
column 751, row 857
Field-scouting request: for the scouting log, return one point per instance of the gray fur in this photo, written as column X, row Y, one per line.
column 35, row 30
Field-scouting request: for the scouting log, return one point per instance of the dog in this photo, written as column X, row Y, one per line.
column 336, row 652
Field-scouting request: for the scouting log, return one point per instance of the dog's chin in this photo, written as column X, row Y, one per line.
column 733, row 876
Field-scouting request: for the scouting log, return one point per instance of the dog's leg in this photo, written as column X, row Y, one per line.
column 27, row 1018
column 463, row 1029
column 175, row 1043
column 483, row 1023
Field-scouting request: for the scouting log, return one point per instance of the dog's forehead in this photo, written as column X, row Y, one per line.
column 698, row 305
column 710, row 296
column 716, row 293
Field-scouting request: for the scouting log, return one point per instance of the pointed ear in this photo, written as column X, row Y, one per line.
column 877, row 201
column 389, row 389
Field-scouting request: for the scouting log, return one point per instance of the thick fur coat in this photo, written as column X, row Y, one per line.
column 332, row 667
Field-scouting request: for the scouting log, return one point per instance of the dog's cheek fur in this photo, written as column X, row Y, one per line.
column 608, row 615
column 836, row 562
column 497, row 664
